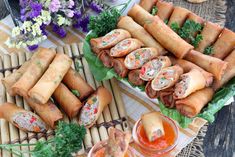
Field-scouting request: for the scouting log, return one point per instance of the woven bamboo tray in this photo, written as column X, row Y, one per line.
column 113, row 115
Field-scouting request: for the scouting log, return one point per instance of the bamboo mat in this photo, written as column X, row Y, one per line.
column 113, row 115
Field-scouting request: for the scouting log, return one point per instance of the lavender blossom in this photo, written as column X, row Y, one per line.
column 61, row 32
column 54, row 6
column 95, row 7
column 32, row 47
column 36, row 9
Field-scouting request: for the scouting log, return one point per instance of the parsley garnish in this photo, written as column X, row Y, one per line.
column 75, row 92
column 175, row 27
column 208, row 50
column 154, row 10
column 166, row 21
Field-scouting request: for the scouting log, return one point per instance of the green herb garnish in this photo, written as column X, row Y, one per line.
column 166, row 21
column 195, row 41
column 208, row 50
column 75, row 92
column 154, row 10
column 175, row 27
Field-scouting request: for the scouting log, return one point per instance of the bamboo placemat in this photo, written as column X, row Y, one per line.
column 113, row 115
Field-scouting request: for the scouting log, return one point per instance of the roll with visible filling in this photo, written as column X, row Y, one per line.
column 119, row 67
column 150, row 92
column 166, row 97
column 148, row 4
column 105, row 58
column 165, row 10
column 133, row 77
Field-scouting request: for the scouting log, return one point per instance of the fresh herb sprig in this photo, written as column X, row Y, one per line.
column 154, row 10
column 208, row 50
column 175, row 27
column 75, row 92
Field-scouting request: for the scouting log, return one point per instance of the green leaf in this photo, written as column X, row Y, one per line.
column 75, row 92
column 208, row 50
column 154, row 10
column 166, row 21
column 175, row 26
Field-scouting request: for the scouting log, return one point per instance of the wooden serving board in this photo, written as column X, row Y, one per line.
column 113, row 115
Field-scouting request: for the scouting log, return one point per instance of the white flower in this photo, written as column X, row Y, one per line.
column 15, row 31
column 61, row 20
column 26, row 26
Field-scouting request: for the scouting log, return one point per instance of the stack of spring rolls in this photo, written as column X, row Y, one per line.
column 45, row 77
column 145, row 49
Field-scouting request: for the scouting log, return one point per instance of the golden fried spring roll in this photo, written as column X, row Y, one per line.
column 133, row 77
column 67, row 100
column 224, row 45
column 195, row 18
column 167, row 37
column 139, row 33
column 74, row 81
column 125, row 46
column 164, row 9
column 22, row 119
column 211, row 64
column 105, row 58
column 50, row 80
column 153, row 126
column 94, row 106
column 166, row 97
column 209, row 34
column 193, row 104
column 35, row 70
column 119, row 67
column 150, row 92
column 167, row 77
column 178, row 16
column 148, row 4
column 189, row 83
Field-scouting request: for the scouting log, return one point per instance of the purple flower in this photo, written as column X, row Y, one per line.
column 78, row 14
column 71, row 4
column 36, row 9
column 77, row 24
column 95, row 7
column 55, row 27
column 69, row 13
column 24, row 3
column 61, row 32
column 54, row 6
column 32, row 47
column 43, row 28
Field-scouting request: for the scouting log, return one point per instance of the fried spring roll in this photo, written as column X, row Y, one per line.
column 119, row 67
column 74, row 81
column 224, row 45
column 35, row 70
column 209, row 34
column 150, row 69
column 195, row 18
column 22, row 119
column 67, row 100
column 211, row 64
column 167, row 77
column 150, row 92
column 164, row 10
column 178, row 16
column 106, row 59
column 94, row 106
column 194, row 103
column 166, row 97
column 168, row 38
column 50, row 80
column 133, row 77
column 139, row 33
column 148, row 4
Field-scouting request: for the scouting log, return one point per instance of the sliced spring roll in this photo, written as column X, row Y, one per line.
column 110, row 39
column 137, row 58
column 119, row 67
column 22, row 119
column 224, row 45
column 67, row 100
column 50, row 80
column 167, row 77
column 106, row 59
column 166, row 97
column 74, row 81
column 94, row 106
column 133, row 77
column 35, row 70
column 211, row 64
column 148, row 4
column 167, row 37
column 164, row 10
column 189, row 83
column 125, row 46
column 153, row 126
column 150, row 92
column 150, row 69
column 178, row 16
column 209, row 34
column 193, row 104
column 139, row 33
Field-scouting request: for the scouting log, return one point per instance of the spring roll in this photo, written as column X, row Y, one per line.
column 153, row 126
column 224, row 44
column 137, row 58
column 74, row 81
column 139, row 33
column 67, row 100
column 211, row 64
column 150, row 92
column 35, row 70
column 110, row 39
column 195, row 18
column 119, row 67
column 148, row 4
column 22, row 119
column 167, row 77
column 209, row 34
column 94, row 106
column 124, row 47
column 50, row 80
column 164, row 10
column 193, row 104
column 105, row 58
column 168, row 38
column 150, row 69
column 133, row 77
column 178, row 16
column 166, row 97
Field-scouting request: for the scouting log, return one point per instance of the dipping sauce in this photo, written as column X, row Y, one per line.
column 100, row 153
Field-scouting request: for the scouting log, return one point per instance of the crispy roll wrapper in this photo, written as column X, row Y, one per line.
column 67, row 100
column 167, row 37
column 125, row 46
column 74, row 81
column 150, row 92
column 50, row 80
column 164, row 9
column 139, row 33
column 110, row 39
column 211, row 64
column 94, row 106
column 106, row 59
column 35, row 70
column 209, row 34
column 224, row 44
column 119, row 67
column 167, row 77
column 22, row 119
column 189, row 82
column 148, row 4
column 178, row 16
column 166, row 97
column 193, row 104
column 150, row 69
column 195, row 18
column 133, row 77
column 153, row 126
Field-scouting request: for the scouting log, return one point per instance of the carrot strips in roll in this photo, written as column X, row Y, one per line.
column 133, row 77
column 164, row 9
column 22, row 119
column 193, row 104
column 211, row 64
column 150, row 92
column 50, row 80
column 178, row 16
column 106, row 59
column 148, row 4
column 167, row 37
column 166, row 97
column 167, row 77
column 119, row 67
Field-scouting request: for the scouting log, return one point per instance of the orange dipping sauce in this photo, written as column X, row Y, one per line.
column 100, row 153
